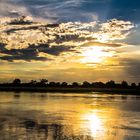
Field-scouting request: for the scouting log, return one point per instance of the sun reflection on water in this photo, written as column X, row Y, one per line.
column 94, row 124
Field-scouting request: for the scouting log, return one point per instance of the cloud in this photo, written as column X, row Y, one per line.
column 102, row 44
column 64, row 10
column 23, row 54
column 22, row 37
column 51, row 34
column 50, row 11
column 31, row 53
column 12, row 9
column 116, row 29
column 133, row 39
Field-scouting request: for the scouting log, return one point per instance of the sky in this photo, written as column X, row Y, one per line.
column 70, row 40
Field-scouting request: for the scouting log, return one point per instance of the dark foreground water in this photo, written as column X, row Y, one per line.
column 58, row 116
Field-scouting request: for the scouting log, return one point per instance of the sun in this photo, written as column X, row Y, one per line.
column 94, row 54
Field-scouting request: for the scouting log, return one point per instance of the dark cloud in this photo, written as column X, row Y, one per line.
column 33, row 27
column 32, row 52
column 2, row 45
column 23, row 54
column 55, row 50
column 69, row 37
column 102, row 44
column 20, row 21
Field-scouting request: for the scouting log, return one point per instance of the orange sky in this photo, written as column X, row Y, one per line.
column 72, row 51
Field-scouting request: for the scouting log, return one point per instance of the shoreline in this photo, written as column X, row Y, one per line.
column 71, row 90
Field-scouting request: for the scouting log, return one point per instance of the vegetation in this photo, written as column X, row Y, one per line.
column 45, row 85
column 85, row 84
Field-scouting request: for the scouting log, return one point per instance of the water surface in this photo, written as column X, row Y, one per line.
column 69, row 116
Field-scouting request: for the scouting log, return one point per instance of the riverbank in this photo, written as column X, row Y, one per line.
column 71, row 89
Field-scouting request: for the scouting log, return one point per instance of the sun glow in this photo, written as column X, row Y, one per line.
column 95, row 54
column 94, row 124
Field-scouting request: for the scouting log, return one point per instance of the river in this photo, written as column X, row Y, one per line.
column 69, row 116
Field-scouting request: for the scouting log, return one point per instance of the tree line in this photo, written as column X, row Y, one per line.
column 85, row 84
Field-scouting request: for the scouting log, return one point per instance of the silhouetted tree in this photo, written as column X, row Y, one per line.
column 110, row 84
column 124, row 84
column 33, row 82
column 64, row 84
column 98, row 85
column 86, row 84
column 16, row 81
column 57, row 84
column 43, row 81
column 139, row 85
column 75, row 84
column 52, row 84
column 133, row 85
